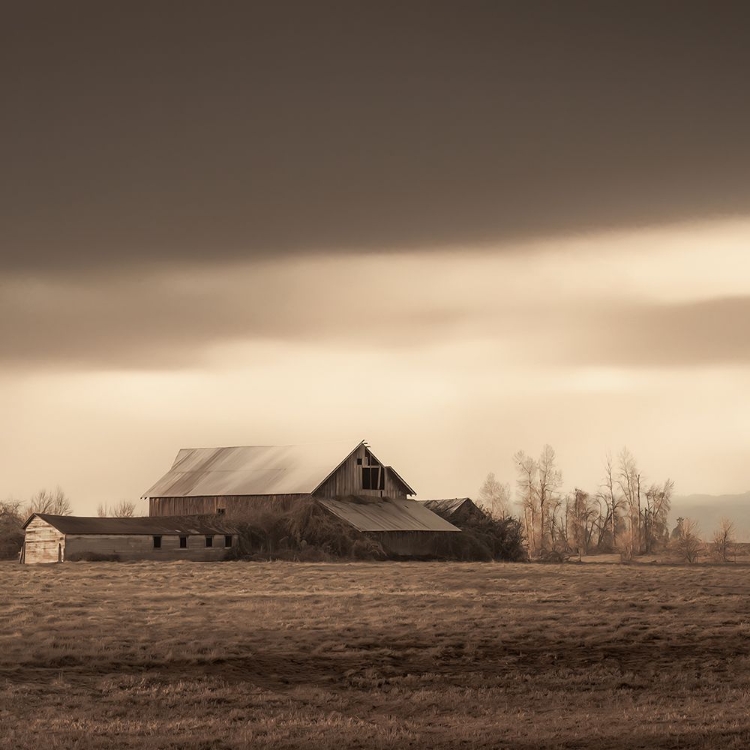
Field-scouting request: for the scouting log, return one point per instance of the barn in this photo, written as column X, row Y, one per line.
column 349, row 482
column 51, row 538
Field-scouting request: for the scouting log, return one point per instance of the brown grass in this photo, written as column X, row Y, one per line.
column 373, row 655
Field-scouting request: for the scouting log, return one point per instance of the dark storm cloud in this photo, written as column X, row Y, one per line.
column 157, row 132
column 167, row 320
column 163, row 321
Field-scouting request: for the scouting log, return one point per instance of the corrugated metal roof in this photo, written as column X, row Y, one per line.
column 251, row 470
column 385, row 514
column 200, row 525
column 448, row 505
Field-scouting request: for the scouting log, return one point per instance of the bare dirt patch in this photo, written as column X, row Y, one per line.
column 370, row 655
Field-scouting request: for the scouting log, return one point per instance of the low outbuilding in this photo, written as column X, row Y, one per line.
column 457, row 510
column 50, row 538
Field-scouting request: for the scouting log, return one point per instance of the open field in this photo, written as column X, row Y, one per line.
column 376, row 655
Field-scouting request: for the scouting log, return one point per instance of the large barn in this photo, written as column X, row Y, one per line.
column 351, row 483
column 218, row 480
column 51, row 538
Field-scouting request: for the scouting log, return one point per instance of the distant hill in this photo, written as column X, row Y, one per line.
column 708, row 510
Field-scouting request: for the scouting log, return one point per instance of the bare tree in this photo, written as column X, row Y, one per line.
column 55, row 502
column 612, row 501
column 686, row 541
column 583, row 519
column 549, row 480
column 123, row 509
column 538, row 491
column 495, row 497
column 629, row 483
column 655, row 513
column 724, row 541
column 526, row 468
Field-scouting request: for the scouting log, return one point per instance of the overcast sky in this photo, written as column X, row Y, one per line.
column 452, row 229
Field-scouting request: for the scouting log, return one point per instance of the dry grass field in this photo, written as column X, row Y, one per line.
column 381, row 655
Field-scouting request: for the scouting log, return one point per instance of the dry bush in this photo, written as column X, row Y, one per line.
column 724, row 542
column 298, row 530
column 11, row 529
column 686, row 543
column 485, row 538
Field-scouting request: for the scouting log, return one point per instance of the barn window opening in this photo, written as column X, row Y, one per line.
column 228, row 541
column 373, row 478
column 157, row 542
column 221, row 511
column 183, row 542
column 359, row 462
column 370, row 477
column 209, row 541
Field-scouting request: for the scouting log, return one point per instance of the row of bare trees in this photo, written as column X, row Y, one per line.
column 625, row 513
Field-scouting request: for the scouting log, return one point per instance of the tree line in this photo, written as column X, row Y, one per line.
column 626, row 514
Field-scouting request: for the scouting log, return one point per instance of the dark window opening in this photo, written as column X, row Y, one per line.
column 359, row 462
column 227, row 541
column 157, row 542
column 183, row 542
column 209, row 541
column 370, row 477
column 221, row 511
column 382, row 479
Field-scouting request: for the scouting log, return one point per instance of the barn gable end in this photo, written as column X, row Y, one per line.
column 43, row 543
column 363, row 474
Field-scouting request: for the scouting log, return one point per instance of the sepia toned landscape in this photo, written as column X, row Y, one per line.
column 374, row 375
column 373, row 655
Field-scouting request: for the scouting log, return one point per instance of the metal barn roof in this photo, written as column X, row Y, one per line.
column 146, row 525
column 253, row 470
column 385, row 514
column 448, row 505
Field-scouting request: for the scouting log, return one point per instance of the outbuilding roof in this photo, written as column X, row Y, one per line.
column 253, row 470
column 386, row 514
column 448, row 505
column 147, row 525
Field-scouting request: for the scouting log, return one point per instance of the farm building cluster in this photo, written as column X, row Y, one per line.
column 195, row 507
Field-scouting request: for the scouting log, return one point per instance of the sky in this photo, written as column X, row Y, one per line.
column 455, row 230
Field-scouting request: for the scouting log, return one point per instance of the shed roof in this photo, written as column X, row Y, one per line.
column 449, row 505
column 387, row 514
column 253, row 470
column 146, row 525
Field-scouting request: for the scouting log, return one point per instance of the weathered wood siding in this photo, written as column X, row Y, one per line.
column 347, row 481
column 231, row 505
column 141, row 547
column 412, row 543
column 43, row 543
